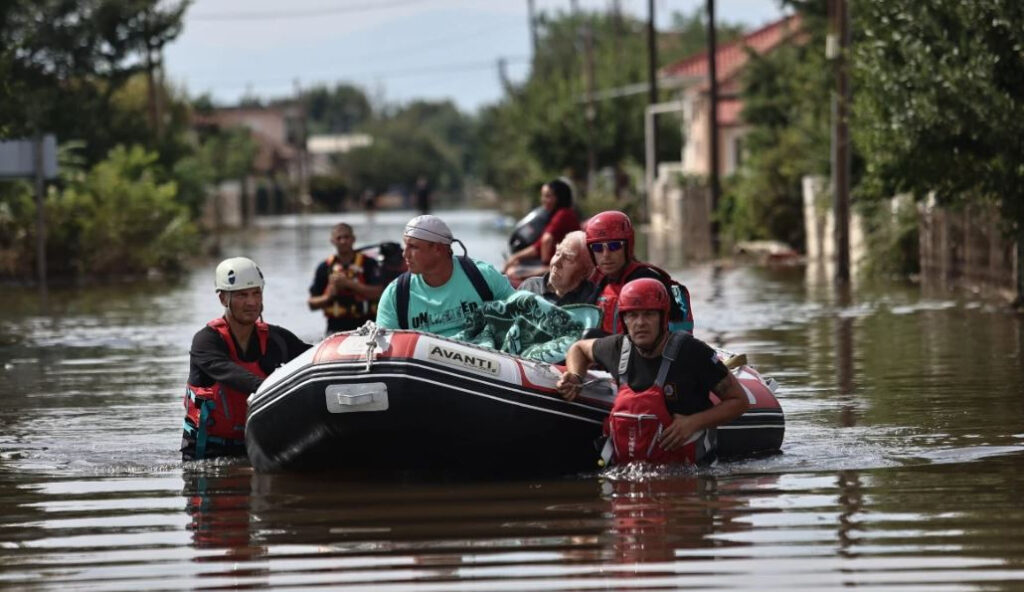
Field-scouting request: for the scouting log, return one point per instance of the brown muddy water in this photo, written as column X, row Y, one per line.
column 901, row 468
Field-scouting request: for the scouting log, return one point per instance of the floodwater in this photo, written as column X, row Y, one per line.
column 901, row 467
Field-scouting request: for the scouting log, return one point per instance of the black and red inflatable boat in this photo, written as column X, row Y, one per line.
column 406, row 400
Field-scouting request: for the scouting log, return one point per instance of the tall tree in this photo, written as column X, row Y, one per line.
column 64, row 61
column 939, row 103
column 341, row 109
column 786, row 106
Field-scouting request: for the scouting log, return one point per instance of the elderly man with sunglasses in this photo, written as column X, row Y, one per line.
column 610, row 240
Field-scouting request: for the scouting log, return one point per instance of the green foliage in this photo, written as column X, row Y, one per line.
column 339, row 110
column 541, row 128
column 64, row 61
column 329, row 191
column 786, row 104
column 944, row 109
column 219, row 155
column 892, row 237
column 433, row 139
column 117, row 219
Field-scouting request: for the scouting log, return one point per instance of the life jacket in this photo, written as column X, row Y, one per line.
column 347, row 303
column 216, row 414
column 402, row 289
column 680, row 316
column 637, row 419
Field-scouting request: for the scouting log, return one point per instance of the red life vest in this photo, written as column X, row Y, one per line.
column 681, row 318
column 348, row 303
column 637, row 419
column 608, row 298
column 223, row 407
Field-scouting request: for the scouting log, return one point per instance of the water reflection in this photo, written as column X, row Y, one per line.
column 900, row 469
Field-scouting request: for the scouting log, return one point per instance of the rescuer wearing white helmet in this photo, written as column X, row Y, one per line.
column 440, row 288
column 229, row 359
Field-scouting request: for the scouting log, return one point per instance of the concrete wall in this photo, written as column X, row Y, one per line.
column 819, row 226
column 680, row 214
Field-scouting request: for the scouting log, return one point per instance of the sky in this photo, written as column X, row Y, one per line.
column 396, row 50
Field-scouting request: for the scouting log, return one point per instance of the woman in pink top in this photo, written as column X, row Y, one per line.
column 556, row 197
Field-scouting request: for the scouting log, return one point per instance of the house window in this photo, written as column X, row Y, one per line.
column 737, row 152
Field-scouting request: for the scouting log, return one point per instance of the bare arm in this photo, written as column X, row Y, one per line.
column 733, row 404
column 547, row 246
column 338, row 282
column 577, row 360
column 318, row 302
column 515, row 258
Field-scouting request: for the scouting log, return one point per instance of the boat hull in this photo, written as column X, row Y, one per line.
column 422, row 402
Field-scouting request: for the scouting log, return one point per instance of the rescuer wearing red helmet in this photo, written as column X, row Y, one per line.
column 660, row 373
column 611, row 242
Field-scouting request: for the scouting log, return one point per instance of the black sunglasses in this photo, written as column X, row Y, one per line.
column 612, row 246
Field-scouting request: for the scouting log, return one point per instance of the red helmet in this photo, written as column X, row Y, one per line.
column 608, row 226
column 644, row 294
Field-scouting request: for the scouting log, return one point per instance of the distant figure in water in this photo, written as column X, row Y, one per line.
column 346, row 285
column 229, row 359
column 369, row 201
column 422, row 194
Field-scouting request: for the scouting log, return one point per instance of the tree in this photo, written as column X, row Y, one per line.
column 339, row 110
column 939, row 104
column 786, row 98
column 540, row 128
column 64, row 61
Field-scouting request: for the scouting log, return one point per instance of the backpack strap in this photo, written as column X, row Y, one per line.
column 402, row 289
column 402, row 299
column 477, row 278
column 668, row 355
column 627, row 347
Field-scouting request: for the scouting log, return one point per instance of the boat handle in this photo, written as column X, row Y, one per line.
column 355, row 398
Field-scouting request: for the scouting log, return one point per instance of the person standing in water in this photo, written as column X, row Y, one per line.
column 229, row 359
column 347, row 285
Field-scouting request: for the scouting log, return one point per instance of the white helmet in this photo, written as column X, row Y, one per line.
column 238, row 273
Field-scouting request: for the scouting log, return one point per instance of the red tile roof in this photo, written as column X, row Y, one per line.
column 731, row 57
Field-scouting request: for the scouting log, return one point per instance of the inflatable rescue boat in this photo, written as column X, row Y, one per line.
column 406, row 400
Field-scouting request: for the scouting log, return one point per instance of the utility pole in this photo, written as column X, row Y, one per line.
column 837, row 49
column 713, row 127
column 304, row 199
column 591, row 111
column 40, row 187
column 531, row 15
column 652, row 74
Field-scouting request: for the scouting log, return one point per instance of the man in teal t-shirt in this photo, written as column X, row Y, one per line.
column 441, row 294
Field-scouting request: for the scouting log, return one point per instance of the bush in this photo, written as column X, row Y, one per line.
column 114, row 220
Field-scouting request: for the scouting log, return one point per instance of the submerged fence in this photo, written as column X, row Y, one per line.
column 967, row 248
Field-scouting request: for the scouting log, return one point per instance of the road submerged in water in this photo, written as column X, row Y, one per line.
column 900, row 468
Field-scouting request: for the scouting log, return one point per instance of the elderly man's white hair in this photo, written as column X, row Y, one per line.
column 577, row 240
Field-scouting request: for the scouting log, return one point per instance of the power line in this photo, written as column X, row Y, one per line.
column 440, row 69
column 310, row 13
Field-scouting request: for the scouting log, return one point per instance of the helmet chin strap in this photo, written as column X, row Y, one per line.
column 227, row 306
column 658, row 343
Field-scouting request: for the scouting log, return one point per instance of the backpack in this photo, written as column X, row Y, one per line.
column 402, row 289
